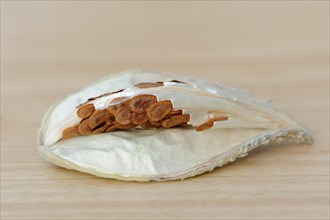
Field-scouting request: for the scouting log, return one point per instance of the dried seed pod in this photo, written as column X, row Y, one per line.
column 140, row 103
column 123, row 115
column 179, row 153
column 70, row 132
column 139, row 118
column 84, row 128
column 175, row 120
column 149, row 84
column 117, row 103
column 85, row 111
column 100, row 129
column 98, row 118
column 159, row 110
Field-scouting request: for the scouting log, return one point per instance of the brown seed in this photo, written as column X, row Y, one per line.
column 84, row 128
column 140, row 103
column 139, row 118
column 116, row 103
column 85, row 111
column 98, row 118
column 184, row 125
column 210, row 123
column 172, row 113
column 110, row 120
column 176, row 120
column 147, row 125
column 156, row 124
column 222, row 118
column 111, row 128
column 204, row 126
column 159, row 110
column 120, row 126
column 149, row 84
column 123, row 115
column 100, row 129
column 178, row 81
column 70, row 132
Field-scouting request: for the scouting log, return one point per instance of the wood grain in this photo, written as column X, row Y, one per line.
column 277, row 50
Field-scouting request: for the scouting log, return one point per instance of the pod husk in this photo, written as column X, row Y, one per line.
column 161, row 154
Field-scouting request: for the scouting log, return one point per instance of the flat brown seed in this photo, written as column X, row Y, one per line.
column 117, row 103
column 123, row 115
column 85, row 111
column 98, row 118
column 149, row 84
column 84, row 128
column 210, row 123
column 222, row 118
column 139, row 118
column 111, row 128
column 156, row 124
column 205, row 125
column 110, row 121
column 184, row 125
column 120, row 126
column 172, row 113
column 147, row 125
column 175, row 120
column 140, row 103
column 100, row 129
column 70, row 132
column 177, row 81
column 159, row 110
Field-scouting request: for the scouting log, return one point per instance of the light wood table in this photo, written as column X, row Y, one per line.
column 277, row 50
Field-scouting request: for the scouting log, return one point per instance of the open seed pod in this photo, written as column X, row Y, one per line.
column 142, row 125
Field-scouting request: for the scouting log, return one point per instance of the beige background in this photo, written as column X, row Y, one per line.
column 277, row 50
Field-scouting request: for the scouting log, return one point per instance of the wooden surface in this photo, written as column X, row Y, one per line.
column 277, row 50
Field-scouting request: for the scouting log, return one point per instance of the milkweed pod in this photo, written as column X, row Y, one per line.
column 158, row 126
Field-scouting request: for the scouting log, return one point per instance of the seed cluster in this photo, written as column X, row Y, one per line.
column 144, row 111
